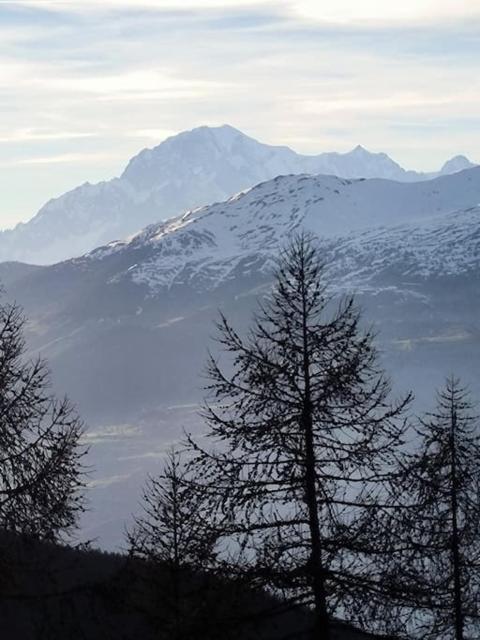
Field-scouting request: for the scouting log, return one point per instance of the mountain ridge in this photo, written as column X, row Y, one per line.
column 191, row 169
column 260, row 219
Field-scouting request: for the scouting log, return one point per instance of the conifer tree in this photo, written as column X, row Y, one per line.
column 41, row 468
column 172, row 538
column 304, row 441
column 438, row 537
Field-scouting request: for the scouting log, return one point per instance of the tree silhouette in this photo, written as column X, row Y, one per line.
column 172, row 537
column 304, row 443
column 438, row 538
column 41, row 470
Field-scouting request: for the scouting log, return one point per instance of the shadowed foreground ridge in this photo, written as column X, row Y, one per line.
column 59, row 592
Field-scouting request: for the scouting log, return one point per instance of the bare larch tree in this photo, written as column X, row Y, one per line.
column 438, row 537
column 303, row 442
column 41, row 455
column 173, row 539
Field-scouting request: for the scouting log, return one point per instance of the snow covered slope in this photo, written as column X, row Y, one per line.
column 435, row 247
column 191, row 169
column 206, row 246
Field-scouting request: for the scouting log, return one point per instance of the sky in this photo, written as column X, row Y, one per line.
column 85, row 85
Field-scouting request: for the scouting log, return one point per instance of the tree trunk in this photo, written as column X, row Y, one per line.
column 457, row 586
column 321, row 629
column 322, row 623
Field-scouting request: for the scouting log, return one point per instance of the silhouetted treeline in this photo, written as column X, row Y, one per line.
column 312, row 485
column 315, row 501
column 61, row 592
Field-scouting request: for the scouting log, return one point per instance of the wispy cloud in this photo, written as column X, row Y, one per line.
column 161, row 5
column 84, row 84
column 136, row 83
column 381, row 12
column 65, row 158
column 32, row 135
column 151, row 134
column 107, row 482
column 343, row 11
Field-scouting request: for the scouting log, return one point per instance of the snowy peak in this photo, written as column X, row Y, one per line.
column 457, row 163
column 358, row 163
column 222, row 157
column 361, row 152
column 191, row 169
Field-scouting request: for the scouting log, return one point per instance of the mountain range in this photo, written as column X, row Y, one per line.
column 189, row 170
column 126, row 326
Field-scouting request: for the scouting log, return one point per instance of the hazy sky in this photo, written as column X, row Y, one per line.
column 85, row 85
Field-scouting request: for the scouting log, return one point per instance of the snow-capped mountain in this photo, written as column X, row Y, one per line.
column 126, row 327
column 206, row 246
column 440, row 246
column 376, row 236
column 192, row 169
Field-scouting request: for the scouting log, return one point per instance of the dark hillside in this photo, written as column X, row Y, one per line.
column 51, row 592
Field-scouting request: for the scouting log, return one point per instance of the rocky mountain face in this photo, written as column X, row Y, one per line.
column 126, row 326
column 189, row 170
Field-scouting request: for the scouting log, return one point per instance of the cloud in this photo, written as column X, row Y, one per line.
column 136, row 83
column 31, row 135
column 80, row 6
column 143, row 456
column 108, row 481
column 396, row 102
column 380, row 11
column 343, row 11
column 65, row 158
column 151, row 134
column 73, row 78
column 85, row 84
